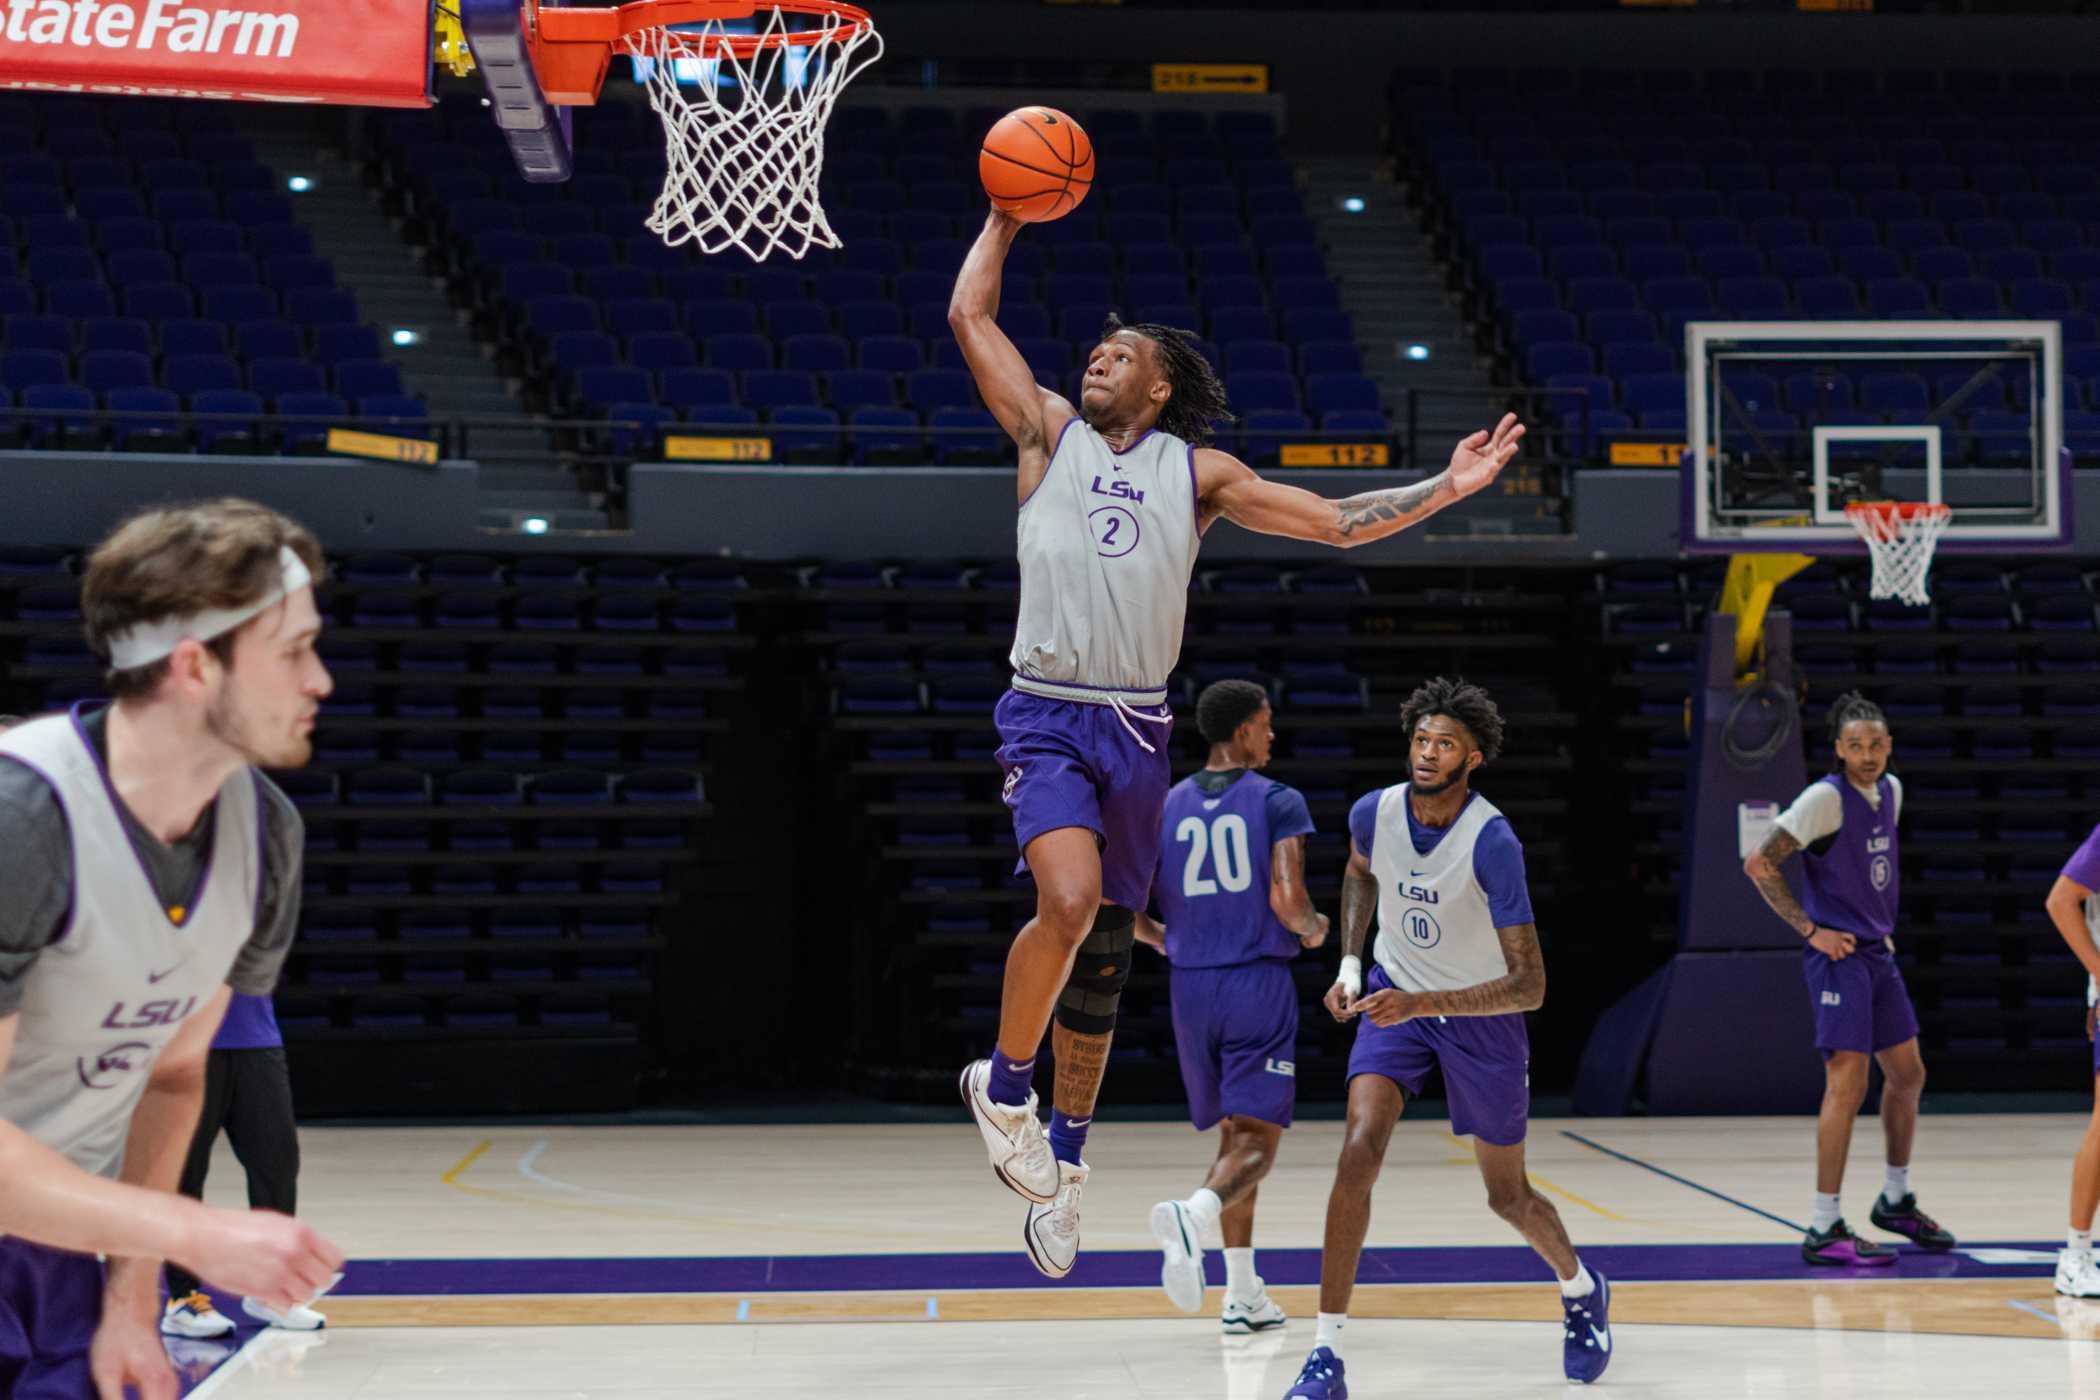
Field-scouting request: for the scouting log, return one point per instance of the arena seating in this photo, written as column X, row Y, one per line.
column 152, row 267
column 1195, row 224
column 1588, row 230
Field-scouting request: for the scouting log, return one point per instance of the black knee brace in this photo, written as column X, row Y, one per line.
column 1087, row 1005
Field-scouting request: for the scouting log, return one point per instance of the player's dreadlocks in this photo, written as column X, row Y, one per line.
column 1461, row 700
column 1198, row 400
column 1853, row 706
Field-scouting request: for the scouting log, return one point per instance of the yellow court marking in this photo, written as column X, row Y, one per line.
column 1560, row 1191
column 452, row 1177
column 2017, row 1307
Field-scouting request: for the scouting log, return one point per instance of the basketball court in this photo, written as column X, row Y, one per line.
column 642, row 1262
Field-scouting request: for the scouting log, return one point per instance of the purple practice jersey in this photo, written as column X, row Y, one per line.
column 1852, row 875
column 1213, row 882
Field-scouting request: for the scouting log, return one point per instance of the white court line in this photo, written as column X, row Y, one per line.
column 2051, row 1318
column 239, row 1361
column 533, row 1174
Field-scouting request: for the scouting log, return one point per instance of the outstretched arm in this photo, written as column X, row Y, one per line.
column 1031, row 414
column 1229, row 488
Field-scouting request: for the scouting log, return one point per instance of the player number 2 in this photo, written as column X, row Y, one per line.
column 1228, row 837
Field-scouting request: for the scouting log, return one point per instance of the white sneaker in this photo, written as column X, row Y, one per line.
column 1261, row 1314
column 2077, row 1276
column 194, row 1316
column 1020, row 1149
column 1181, row 1267
column 297, row 1318
column 1052, row 1231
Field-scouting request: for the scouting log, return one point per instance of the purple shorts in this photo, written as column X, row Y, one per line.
column 1486, row 1062
column 1071, row 764
column 1860, row 1002
column 50, row 1305
column 1236, row 1034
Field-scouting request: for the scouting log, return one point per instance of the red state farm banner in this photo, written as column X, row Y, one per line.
column 364, row 53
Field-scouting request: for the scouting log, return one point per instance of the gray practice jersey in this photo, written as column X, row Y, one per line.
column 116, row 983
column 1107, row 543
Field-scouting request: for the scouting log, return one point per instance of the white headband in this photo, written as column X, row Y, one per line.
column 152, row 641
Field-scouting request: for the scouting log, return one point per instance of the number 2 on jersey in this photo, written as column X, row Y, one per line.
column 1227, row 838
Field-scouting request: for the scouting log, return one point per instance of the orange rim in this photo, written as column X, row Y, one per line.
column 617, row 25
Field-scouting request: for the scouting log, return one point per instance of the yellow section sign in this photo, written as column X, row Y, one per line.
column 344, row 442
column 1210, row 77
column 718, row 449
column 1335, row 454
column 1646, row 454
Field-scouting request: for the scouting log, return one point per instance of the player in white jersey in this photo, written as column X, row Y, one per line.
column 1455, row 968
column 151, row 870
column 1115, row 496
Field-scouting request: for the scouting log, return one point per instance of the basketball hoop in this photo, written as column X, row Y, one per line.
column 743, row 114
column 1900, row 536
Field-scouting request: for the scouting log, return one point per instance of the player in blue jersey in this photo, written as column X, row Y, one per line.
column 1231, row 893
column 2074, row 908
column 1455, row 966
column 1845, row 826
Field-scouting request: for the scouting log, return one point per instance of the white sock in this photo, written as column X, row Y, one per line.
column 1895, row 1184
column 1206, row 1207
column 1826, row 1211
column 2079, row 1241
column 1329, row 1332
column 1580, row 1286
column 1240, row 1282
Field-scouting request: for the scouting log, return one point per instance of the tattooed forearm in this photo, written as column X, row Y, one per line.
column 1081, row 1061
column 1359, row 898
column 1288, row 897
column 1763, row 870
column 1375, row 514
column 1522, row 988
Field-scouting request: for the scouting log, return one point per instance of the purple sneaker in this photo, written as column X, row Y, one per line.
column 1321, row 1379
column 1905, row 1219
column 1839, row 1248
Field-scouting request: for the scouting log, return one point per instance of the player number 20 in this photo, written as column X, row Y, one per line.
column 1228, row 837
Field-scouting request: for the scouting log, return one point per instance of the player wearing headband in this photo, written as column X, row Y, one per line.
column 151, row 871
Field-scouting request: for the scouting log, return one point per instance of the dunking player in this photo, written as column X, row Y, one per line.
column 1455, row 967
column 1845, row 823
column 1231, row 889
column 150, row 870
column 1115, row 496
column 2075, row 910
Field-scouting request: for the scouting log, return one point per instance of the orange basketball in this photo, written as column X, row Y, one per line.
column 1036, row 164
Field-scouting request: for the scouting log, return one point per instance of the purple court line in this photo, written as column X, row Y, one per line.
column 932, row 1274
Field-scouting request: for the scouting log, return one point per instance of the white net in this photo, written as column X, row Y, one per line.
column 744, row 133
column 1900, row 541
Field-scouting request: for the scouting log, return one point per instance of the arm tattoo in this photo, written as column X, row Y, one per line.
column 1081, row 1061
column 1778, row 847
column 1359, row 898
column 1287, row 887
column 1397, row 507
column 1522, row 988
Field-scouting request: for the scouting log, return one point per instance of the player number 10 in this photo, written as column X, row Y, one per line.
column 1228, row 834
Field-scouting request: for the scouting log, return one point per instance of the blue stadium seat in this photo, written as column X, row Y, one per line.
column 161, row 433
column 779, row 388
column 310, row 436
column 657, row 352
column 362, row 379
column 885, row 435
column 105, row 370
column 689, row 389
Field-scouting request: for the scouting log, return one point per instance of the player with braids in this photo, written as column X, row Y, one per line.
column 1115, row 495
column 1197, row 406
column 1844, row 824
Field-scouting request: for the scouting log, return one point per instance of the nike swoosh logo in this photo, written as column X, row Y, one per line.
column 1416, row 874
column 156, row 976
column 1603, row 1339
column 1078, row 1122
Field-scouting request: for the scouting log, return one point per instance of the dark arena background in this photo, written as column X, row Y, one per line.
column 657, row 878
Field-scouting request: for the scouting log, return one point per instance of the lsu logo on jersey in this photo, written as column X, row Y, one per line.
column 107, row 1069
column 1832, row 999
column 1287, row 1068
column 165, row 1012
column 1119, row 490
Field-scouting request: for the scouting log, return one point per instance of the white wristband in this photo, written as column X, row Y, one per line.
column 1351, row 974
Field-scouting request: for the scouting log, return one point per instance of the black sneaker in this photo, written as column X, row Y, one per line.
column 1905, row 1219
column 1839, row 1248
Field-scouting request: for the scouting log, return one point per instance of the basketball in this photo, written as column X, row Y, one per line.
column 1036, row 164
